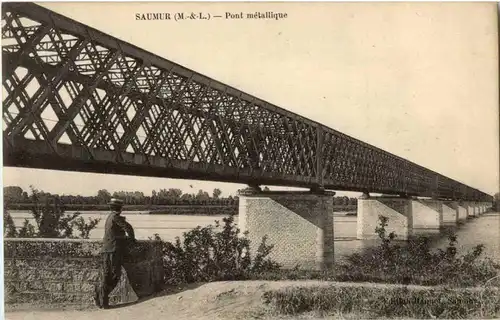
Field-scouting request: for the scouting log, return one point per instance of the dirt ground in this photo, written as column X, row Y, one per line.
column 213, row 301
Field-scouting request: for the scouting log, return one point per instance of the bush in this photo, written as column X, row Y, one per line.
column 206, row 254
column 414, row 262
column 387, row 302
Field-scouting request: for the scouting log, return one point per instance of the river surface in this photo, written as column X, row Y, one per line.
column 483, row 230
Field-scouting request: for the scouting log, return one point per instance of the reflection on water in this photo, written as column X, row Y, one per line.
column 485, row 230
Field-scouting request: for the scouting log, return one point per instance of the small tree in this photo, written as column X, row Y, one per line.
column 9, row 229
column 202, row 195
column 50, row 220
column 13, row 194
column 103, row 196
column 83, row 227
column 217, row 193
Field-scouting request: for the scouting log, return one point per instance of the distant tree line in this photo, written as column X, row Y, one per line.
column 172, row 196
column 17, row 198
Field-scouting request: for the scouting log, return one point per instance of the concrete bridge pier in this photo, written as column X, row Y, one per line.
column 487, row 206
column 462, row 212
column 471, row 210
column 397, row 209
column 408, row 216
column 428, row 216
column 298, row 224
column 477, row 211
column 450, row 213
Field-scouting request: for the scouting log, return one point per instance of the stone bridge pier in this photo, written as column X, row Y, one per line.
column 429, row 215
column 485, row 207
column 480, row 208
column 412, row 216
column 298, row 224
column 463, row 212
column 398, row 210
column 451, row 213
column 473, row 210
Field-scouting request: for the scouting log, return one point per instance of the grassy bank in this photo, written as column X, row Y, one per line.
column 392, row 301
column 349, row 273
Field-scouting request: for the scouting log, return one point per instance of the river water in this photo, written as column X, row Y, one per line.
column 483, row 230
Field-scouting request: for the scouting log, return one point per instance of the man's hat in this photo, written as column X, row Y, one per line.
column 115, row 202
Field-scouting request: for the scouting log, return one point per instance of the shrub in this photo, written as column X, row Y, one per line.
column 387, row 302
column 206, row 254
column 415, row 262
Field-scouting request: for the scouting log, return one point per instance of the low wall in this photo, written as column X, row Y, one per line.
column 65, row 271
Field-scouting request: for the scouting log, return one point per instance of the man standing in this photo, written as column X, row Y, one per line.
column 114, row 246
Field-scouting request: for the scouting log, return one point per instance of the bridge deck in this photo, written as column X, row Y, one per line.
column 121, row 109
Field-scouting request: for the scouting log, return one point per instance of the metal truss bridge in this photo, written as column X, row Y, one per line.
column 77, row 99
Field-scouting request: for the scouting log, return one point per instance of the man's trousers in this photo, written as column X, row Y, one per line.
column 109, row 277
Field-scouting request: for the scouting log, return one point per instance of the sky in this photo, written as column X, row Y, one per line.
column 419, row 80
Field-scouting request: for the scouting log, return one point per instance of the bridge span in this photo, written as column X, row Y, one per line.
column 123, row 110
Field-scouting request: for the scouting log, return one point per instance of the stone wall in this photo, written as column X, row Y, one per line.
column 65, row 271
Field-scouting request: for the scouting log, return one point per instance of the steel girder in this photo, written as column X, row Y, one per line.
column 120, row 109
